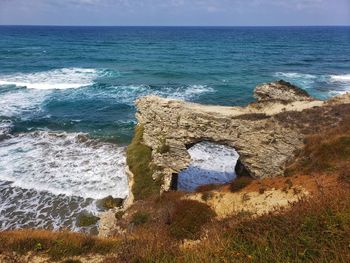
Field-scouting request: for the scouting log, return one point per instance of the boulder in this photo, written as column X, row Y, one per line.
column 281, row 90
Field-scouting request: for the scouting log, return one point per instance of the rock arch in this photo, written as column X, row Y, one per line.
column 263, row 140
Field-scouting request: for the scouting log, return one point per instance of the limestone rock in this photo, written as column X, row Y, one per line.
column 266, row 134
column 280, row 90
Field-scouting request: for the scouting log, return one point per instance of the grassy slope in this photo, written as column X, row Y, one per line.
column 139, row 158
column 313, row 230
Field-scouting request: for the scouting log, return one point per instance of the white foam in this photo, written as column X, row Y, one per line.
column 65, row 78
column 28, row 208
column 340, row 78
column 22, row 101
column 5, row 128
column 128, row 94
column 306, row 81
column 69, row 164
column 295, row 75
column 210, row 164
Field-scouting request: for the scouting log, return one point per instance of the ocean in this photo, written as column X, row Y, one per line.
column 67, row 99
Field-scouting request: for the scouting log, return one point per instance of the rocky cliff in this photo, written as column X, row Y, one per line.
column 267, row 134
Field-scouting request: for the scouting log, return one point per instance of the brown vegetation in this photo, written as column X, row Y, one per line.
column 57, row 245
column 314, row 229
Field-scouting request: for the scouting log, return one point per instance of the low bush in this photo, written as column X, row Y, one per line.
column 240, row 183
column 327, row 152
column 207, row 187
column 188, row 218
column 140, row 218
column 72, row 261
column 206, row 196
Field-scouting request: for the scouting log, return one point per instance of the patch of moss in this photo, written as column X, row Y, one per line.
column 140, row 218
column 139, row 157
column 109, row 202
column 188, row 218
column 87, row 220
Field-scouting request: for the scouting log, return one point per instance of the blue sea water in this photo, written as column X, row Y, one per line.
column 67, row 95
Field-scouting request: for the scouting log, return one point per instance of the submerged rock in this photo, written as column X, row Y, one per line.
column 86, row 220
column 109, row 202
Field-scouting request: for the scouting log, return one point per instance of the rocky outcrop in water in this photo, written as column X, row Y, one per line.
column 280, row 90
column 266, row 133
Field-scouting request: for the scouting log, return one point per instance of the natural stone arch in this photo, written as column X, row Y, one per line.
column 264, row 141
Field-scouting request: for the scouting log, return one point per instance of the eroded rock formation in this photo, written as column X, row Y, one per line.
column 266, row 133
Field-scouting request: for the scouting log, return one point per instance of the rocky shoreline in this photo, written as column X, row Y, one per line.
column 267, row 134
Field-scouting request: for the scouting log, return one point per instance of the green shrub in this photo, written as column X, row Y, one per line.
column 139, row 157
column 188, row 218
column 240, row 183
column 140, row 218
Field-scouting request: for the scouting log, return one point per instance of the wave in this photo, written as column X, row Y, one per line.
column 21, row 102
column 306, row 81
column 6, row 127
column 61, row 163
column 340, row 78
column 128, row 94
column 331, row 84
column 65, row 78
column 28, row 208
column 210, row 164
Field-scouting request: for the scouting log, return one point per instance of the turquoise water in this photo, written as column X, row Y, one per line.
column 67, row 94
column 111, row 66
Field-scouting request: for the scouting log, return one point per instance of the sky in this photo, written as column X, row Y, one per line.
column 175, row 12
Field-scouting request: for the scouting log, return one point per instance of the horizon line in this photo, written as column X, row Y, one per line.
column 56, row 25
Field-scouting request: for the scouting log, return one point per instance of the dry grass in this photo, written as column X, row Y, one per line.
column 312, row 230
column 188, row 218
column 315, row 230
column 240, row 183
column 328, row 152
column 55, row 244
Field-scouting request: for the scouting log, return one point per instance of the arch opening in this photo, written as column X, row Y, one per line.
column 211, row 163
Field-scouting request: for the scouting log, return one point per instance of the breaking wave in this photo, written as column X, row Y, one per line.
column 331, row 84
column 29, row 208
column 62, row 163
column 65, row 78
